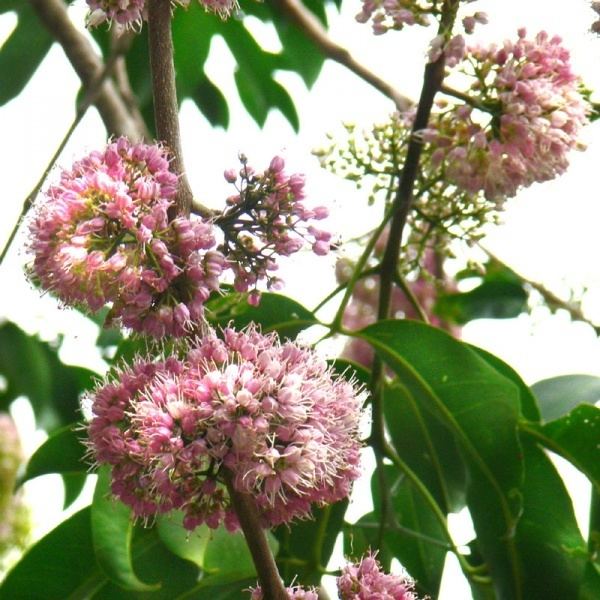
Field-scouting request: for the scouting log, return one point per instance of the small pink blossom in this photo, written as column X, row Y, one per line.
column 271, row 414
column 394, row 14
column 366, row 581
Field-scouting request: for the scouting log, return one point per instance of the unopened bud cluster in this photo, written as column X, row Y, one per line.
column 267, row 218
column 270, row 416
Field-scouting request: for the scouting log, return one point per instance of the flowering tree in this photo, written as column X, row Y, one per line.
column 226, row 451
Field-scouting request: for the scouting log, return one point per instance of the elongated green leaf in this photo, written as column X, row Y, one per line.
column 112, row 529
column 73, row 484
column 552, row 551
column 61, row 565
column 481, row 409
column 25, row 48
column 306, row 546
column 575, row 437
column 426, row 446
column 559, row 395
column 63, row 452
column 274, row 313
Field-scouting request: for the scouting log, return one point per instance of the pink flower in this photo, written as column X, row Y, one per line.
column 273, row 415
column 366, row 581
column 130, row 14
column 535, row 111
column 102, row 235
column 265, row 220
column 394, row 14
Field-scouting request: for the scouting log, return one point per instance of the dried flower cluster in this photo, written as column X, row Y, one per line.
column 531, row 111
column 103, row 235
column 267, row 218
column 271, row 414
column 130, row 14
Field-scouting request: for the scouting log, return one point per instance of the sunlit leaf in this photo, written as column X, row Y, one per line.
column 63, row 452
column 559, row 395
column 25, row 48
column 481, row 409
column 274, row 313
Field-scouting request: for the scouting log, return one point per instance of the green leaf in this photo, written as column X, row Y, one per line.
column 22, row 52
column 190, row 545
column 174, row 578
column 59, row 566
column 63, row 452
column 32, row 368
column 426, row 446
column 481, row 409
column 223, row 556
column 306, row 546
column 112, row 528
column 490, row 300
column 552, row 551
column 575, row 437
column 73, row 484
column 529, row 405
column 274, row 313
column 558, row 395
column 258, row 90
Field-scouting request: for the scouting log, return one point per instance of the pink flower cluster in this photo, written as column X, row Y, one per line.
column 130, row 14
column 271, row 415
column 102, row 235
column 533, row 111
column 265, row 219
column 395, row 14
column 366, row 581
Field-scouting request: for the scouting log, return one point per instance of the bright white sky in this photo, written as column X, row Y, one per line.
column 549, row 232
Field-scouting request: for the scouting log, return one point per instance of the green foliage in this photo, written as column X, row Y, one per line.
column 33, row 369
column 26, row 47
column 499, row 295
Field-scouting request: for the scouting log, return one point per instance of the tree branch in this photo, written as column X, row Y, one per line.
column 88, row 66
column 166, row 113
column 297, row 13
column 247, row 513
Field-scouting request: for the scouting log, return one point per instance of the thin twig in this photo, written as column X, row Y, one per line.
column 403, row 285
column 551, row 299
column 266, row 569
column 88, row 66
column 296, row 12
